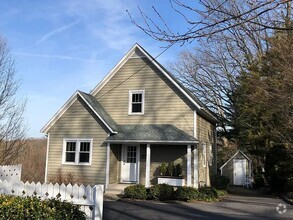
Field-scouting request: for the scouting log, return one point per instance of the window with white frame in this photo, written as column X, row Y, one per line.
column 77, row 151
column 204, row 154
column 136, row 102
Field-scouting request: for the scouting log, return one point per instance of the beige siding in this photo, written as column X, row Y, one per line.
column 77, row 122
column 205, row 135
column 162, row 104
column 165, row 154
column 114, row 163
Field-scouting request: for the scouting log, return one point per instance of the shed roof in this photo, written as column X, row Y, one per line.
column 239, row 151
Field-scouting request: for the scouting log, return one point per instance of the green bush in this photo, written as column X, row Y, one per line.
column 184, row 193
column 220, row 182
column 161, row 192
column 221, row 192
column 178, row 170
column 207, row 194
column 15, row 207
column 163, row 169
column 137, row 191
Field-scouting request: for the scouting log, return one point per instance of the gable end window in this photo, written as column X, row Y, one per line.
column 77, row 151
column 136, row 102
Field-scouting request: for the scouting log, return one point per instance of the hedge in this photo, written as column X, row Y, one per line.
column 16, row 207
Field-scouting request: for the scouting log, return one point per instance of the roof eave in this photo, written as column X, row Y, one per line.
column 151, row 142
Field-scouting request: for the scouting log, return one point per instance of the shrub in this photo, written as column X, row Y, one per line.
column 258, row 181
column 221, row 192
column 163, row 169
column 220, row 182
column 161, row 192
column 207, row 194
column 15, row 207
column 170, row 169
column 137, row 191
column 184, row 193
column 178, row 170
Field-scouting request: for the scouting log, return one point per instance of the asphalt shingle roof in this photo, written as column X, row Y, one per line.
column 159, row 133
column 93, row 102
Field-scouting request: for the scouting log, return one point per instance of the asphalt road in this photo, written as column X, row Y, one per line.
column 232, row 207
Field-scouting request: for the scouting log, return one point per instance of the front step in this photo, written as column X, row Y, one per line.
column 116, row 189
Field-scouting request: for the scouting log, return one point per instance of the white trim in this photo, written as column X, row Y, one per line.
column 195, row 167
column 195, row 124
column 114, row 70
column 47, row 157
column 96, row 113
column 148, row 165
column 239, row 151
column 125, row 58
column 107, row 165
column 188, row 168
column 130, row 93
column 77, row 151
column 65, row 107
column 59, row 113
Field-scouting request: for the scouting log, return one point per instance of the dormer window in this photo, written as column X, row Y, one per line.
column 136, row 102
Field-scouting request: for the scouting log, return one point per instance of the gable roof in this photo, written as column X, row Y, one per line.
column 137, row 51
column 239, row 151
column 92, row 103
column 158, row 133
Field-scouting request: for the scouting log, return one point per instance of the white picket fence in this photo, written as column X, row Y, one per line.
column 10, row 172
column 89, row 198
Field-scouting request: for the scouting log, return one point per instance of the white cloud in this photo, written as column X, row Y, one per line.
column 56, row 31
column 54, row 57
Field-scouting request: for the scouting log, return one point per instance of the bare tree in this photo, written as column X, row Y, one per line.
column 12, row 126
column 209, row 17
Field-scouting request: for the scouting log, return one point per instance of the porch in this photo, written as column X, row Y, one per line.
column 136, row 154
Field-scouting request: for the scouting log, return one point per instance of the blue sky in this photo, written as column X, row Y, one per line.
column 61, row 46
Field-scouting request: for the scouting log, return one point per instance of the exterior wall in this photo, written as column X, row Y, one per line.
column 78, row 122
column 115, row 159
column 162, row 104
column 228, row 169
column 165, row 154
column 206, row 134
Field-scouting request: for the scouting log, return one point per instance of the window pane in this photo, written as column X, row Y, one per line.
column 85, row 146
column 136, row 107
column 137, row 97
column 70, row 157
column 84, row 157
column 70, row 146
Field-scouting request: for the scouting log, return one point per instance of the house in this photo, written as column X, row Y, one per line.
column 238, row 169
column 136, row 118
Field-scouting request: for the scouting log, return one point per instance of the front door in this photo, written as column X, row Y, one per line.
column 239, row 166
column 130, row 161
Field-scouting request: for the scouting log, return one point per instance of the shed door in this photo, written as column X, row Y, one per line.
column 239, row 168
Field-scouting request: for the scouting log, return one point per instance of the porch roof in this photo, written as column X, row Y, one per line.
column 159, row 133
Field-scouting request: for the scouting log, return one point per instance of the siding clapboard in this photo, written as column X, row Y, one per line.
column 78, row 122
column 164, row 104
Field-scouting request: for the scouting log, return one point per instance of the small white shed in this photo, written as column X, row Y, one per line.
column 238, row 169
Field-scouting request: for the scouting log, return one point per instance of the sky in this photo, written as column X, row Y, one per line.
column 61, row 46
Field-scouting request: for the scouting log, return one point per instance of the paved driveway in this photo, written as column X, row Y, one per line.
column 232, row 207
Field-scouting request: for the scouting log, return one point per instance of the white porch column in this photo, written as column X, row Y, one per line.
column 188, row 165
column 107, row 166
column 148, row 165
column 195, row 167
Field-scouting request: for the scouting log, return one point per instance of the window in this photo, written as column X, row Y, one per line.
column 136, row 102
column 204, row 155
column 77, row 151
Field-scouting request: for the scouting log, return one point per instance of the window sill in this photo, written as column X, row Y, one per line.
column 76, row 164
column 135, row 113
